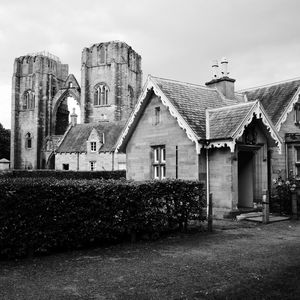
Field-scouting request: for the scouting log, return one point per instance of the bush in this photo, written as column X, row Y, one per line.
column 42, row 215
column 64, row 174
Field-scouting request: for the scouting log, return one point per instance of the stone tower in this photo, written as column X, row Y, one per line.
column 36, row 79
column 111, row 80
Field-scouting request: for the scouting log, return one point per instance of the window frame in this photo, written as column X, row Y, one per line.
column 93, row 146
column 92, row 165
column 28, row 141
column 28, row 100
column 157, row 115
column 297, row 112
column 159, row 162
column 66, row 167
column 101, row 94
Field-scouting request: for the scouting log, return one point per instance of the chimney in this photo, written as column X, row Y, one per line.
column 223, row 84
column 215, row 69
column 74, row 117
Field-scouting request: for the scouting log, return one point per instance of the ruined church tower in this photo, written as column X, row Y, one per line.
column 111, row 81
column 36, row 79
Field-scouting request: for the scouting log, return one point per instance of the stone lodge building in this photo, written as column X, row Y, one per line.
column 234, row 142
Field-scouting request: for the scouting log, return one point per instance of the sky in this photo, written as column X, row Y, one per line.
column 177, row 39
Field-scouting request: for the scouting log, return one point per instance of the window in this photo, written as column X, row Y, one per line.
column 157, row 115
column 93, row 146
column 65, row 167
column 28, row 100
column 130, row 97
column 28, row 141
column 297, row 113
column 159, row 162
column 70, row 84
column 101, row 95
column 297, row 163
column 92, row 165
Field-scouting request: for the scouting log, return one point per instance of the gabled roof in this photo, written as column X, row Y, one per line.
column 225, row 125
column 71, row 78
column 223, row 122
column 75, row 140
column 202, row 112
column 275, row 98
column 191, row 101
column 186, row 102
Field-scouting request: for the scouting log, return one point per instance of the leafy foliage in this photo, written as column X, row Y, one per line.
column 4, row 142
column 282, row 194
column 42, row 215
column 65, row 174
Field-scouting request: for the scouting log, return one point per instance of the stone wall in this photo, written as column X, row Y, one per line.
column 42, row 76
column 81, row 161
column 118, row 66
column 139, row 152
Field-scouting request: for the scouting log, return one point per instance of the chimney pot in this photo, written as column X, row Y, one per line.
column 215, row 67
column 224, row 63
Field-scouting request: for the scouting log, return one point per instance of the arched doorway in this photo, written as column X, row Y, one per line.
column 63, row 104
column 51, row 162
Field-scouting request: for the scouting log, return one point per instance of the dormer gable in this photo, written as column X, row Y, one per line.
column 94, row 142
column 71, row 82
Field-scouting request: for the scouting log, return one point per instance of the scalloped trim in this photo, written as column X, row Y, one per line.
column 258, row 111
column 289, row 108
column 173, row 111
column 221, row 144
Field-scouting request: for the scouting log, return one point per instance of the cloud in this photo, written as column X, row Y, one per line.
column 177, row 39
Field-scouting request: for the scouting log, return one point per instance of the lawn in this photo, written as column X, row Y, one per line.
column 236, row 261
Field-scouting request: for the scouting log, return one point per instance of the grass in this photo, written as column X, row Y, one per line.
column 236, row 261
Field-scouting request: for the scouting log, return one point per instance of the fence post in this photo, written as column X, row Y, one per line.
column 294, row 205
column 265, row 207
column 210, row 214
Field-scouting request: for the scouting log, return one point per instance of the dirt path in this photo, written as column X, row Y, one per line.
column 242, row 262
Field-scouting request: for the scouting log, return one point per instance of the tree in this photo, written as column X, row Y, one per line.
column 4, row 142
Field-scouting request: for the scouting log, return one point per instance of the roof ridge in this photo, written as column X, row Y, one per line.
column 184, row 83
column 269, row 84
column 230, row 106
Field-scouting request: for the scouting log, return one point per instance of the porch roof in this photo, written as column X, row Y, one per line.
column 223, row 122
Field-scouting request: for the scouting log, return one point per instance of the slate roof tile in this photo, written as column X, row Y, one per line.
column 274, row 98
column 225, row 121
column 191, row 101
column 76, row 138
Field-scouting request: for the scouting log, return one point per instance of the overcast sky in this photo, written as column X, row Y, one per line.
column 176, row 39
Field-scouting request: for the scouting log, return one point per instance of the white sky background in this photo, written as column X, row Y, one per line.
column 177, row 39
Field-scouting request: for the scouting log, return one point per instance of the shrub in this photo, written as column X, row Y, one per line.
column 42, row 215
column 65, row 174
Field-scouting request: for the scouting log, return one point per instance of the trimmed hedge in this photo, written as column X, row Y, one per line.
column 64, row 174
column 43, row 215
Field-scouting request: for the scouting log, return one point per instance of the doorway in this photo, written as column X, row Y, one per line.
column 245, row 179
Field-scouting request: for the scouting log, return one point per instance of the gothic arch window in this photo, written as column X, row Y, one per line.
column 102, row 55
column 101, row 94
column 28, row 140
column 130, row 97
column 28, row 100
